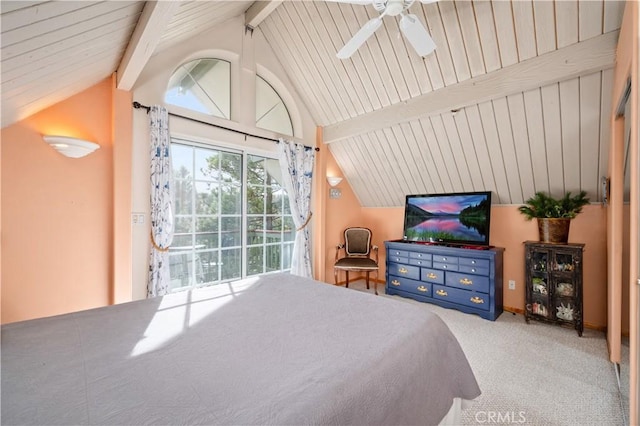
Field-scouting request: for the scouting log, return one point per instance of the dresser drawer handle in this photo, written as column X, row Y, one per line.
column 422, row 289
column 473, row 269
column 403, row 270
column 444, row 266
column 466, row 281
column 473, row 262
column 476, row 299
column 431, row 275
column 395, row 282
column 419, row 255
column 441, row 293
column 444, row 259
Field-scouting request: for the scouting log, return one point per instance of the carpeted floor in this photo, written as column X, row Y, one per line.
column 533, row 374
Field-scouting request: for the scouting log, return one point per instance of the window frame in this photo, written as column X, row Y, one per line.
column 284, row 104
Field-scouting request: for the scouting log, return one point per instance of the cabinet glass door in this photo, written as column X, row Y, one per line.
column 565, row 309
column 540, row 261
column 540, row 286
column 540, row 295
column 563, row 262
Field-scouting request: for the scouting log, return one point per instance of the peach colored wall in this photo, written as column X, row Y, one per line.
column 625, row 261
column 627, row 67
column 122, row 133
column 57, row 211
column 340, row 213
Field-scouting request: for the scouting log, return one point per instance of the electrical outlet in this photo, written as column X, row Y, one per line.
column 512, row 284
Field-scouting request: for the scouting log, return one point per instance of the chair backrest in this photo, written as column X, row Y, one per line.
column 357, row 241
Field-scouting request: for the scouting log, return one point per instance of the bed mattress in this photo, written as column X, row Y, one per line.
column 277, row 349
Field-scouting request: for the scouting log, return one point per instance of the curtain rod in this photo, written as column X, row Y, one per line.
column 138, row 105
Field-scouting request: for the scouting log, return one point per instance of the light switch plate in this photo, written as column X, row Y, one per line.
column 334, row 193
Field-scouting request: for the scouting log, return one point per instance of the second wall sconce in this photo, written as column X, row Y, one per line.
column 333, row 180
column 71, row 147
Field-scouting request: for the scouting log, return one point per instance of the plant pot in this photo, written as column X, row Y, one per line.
column 554, row 230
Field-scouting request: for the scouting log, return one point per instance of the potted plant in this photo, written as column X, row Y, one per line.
column 554, row 214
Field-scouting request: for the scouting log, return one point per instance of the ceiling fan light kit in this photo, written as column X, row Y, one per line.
column 410, row 26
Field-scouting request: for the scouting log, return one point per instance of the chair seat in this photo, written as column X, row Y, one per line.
column 354, row 263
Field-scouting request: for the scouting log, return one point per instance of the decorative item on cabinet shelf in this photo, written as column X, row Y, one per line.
column 554, row 214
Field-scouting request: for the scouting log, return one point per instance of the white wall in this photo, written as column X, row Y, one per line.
column 247, row 53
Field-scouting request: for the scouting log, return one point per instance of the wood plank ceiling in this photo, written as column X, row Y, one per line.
column 518, row 122
column 52, row 50
column 550, row 137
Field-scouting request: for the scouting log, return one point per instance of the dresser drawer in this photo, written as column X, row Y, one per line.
column 423, row 256
column 399, row 253
column 445, row 266
column 412, row 286
column 462, row 297
column 445, row 258
column 473, row 270
column 468, row 281
column 420, row 262
column 432, row 275
column 405, row 271
column 398, row 259
column 480, row 263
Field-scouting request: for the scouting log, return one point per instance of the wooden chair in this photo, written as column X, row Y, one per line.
column 357, row 258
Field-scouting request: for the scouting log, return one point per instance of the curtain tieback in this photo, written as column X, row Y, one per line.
column 306, row 222
column 155, row 245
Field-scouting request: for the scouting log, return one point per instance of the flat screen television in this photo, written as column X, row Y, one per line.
column 461, row 218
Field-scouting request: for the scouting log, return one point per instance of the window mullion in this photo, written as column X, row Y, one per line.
column 244, row 235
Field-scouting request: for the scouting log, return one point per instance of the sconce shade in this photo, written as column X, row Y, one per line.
column 334, row 180
column 71, row 147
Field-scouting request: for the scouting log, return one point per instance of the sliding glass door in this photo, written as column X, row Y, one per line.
column 232, row 216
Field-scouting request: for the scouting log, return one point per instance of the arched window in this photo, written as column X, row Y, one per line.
column 271, row 112
column 202, row 85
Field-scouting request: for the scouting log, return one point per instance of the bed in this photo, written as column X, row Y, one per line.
column 271, row 350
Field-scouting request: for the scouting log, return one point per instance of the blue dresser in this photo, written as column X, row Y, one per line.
column 466, row 279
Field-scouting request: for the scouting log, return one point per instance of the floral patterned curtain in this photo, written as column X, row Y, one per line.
column 296, row 164
column 161, row 213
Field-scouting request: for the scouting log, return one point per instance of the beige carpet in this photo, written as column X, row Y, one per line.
column 532, row 374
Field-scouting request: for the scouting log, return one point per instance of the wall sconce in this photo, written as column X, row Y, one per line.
column 334, row 180
column 71, row 147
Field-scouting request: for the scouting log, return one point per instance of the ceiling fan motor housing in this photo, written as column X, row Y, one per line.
column 392, row 7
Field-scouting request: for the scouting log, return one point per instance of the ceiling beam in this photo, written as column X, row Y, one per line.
column 153, row 20
column 258, row 11
column 594, row 54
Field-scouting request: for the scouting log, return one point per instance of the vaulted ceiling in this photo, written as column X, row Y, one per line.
column 515, row 99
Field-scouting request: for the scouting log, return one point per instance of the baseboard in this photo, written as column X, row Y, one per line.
column 513, row 310
column 586, row 324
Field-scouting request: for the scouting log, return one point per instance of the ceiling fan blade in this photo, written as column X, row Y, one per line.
column 417, row 34
column 359, row 38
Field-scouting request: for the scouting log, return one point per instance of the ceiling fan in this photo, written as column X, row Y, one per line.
column 413, row 30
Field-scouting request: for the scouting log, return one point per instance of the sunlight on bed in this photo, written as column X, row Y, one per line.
column 180, row 311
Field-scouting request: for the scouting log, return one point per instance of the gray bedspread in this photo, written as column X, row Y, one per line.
column 272, row 350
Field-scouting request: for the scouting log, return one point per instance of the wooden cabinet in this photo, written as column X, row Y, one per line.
column 466, row 279
column 553, row 283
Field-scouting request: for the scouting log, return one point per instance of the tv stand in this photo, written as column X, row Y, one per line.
column 466, row 278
